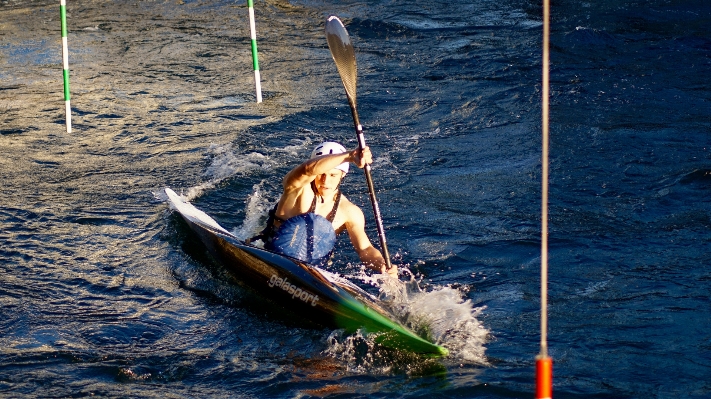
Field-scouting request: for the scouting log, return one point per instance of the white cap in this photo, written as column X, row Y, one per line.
column 330, row 147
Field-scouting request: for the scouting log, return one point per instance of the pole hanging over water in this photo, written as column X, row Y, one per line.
column 65, row 62
column 544, row 364
column 255, row 57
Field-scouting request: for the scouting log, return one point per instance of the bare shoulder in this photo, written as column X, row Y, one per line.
column 354, row 222
column 351, row 213
column 348, row 207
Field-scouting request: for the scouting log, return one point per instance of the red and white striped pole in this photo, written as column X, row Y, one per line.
column 544, row 364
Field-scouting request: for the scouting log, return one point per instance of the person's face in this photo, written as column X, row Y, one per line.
column 328, row 182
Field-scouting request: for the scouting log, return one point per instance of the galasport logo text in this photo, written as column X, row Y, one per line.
column 296, row 293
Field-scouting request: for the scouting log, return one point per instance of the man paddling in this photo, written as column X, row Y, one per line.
column 312, row 210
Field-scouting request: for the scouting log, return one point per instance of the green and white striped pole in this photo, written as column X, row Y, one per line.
column 255, row 58
column 65, row 59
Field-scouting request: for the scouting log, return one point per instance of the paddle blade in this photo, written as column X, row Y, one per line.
column 342, row 51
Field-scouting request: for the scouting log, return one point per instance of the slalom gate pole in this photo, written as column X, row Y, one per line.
column 544, row 364
column 255, row 57
column 65, row 61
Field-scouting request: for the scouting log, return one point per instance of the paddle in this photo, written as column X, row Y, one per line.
column 342, row 51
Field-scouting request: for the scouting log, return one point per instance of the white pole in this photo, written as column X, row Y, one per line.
column 65, row 62
column 255, row 58
column 544, row 363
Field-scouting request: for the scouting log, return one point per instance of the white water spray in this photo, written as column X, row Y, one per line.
column 255, row 213
column 440, row 313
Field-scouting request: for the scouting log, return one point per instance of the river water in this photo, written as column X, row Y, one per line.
column 106, row 293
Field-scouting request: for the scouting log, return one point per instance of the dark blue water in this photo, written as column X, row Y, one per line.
column 104, row 291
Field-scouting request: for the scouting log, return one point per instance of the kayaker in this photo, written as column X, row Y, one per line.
column 312, row 210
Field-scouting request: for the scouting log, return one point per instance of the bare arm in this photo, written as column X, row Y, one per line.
column 369, row 255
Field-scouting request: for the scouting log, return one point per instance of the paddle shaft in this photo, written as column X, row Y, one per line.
column 371, row 188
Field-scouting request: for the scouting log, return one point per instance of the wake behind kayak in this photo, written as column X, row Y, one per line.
column 313, row 293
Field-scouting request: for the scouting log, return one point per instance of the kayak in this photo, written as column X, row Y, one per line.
column 308, row 291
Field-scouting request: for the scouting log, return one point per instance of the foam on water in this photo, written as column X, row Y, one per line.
column 227, row 162
column 440, row 313
column 230, row 160
column 256, row 210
